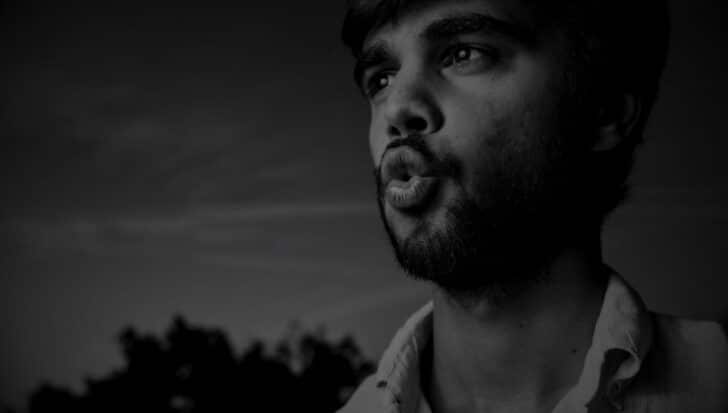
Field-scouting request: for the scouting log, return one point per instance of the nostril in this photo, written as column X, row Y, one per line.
column 416, row 124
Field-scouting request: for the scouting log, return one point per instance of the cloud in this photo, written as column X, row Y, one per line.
column 219, row 225
column 359, row 303
column 107, row 113
column 81, row 148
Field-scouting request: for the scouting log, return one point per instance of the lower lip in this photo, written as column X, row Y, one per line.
column 410, row 194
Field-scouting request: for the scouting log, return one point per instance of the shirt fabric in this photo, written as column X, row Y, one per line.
column 639, row 361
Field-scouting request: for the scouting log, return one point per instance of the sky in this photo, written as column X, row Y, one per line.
column 212, row 162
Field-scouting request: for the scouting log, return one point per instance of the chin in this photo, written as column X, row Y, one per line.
column 413, row 226
column 422, row 222
column 422, row 240
column 459, row 249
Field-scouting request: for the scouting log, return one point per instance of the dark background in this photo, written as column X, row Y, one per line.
column 212, row 161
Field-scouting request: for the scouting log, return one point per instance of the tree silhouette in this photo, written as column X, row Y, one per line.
column 195, row 369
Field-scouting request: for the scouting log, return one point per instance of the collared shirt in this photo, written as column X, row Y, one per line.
column 639, row 361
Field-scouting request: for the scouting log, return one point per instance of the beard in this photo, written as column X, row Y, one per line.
column 499, row 238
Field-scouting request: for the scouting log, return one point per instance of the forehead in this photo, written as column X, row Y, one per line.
column 413, row 19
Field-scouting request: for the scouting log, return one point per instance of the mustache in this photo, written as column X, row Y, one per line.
column 415, row 142
column 440, row 166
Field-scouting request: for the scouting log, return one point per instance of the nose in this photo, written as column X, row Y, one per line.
column 412, row 108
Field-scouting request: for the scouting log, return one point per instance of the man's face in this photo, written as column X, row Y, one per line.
column 467, row 107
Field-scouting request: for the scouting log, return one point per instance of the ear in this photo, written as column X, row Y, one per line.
column 617, row 118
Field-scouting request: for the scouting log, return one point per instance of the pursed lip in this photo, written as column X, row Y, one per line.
column 407, row 181
column 402, row 163
column 411, row 194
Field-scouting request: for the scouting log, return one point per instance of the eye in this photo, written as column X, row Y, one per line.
column 378, row 81
column 466, row 57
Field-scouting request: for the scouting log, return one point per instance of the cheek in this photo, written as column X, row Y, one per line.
column 377, row 139
column 494, row 135
column 475, row 132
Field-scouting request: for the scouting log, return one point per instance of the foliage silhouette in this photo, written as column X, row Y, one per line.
column 195, row 369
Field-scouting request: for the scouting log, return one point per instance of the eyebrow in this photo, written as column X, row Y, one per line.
column 443, row 29
column 469, row 23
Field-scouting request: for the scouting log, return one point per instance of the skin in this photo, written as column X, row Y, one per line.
column 476, row 106
column 474, row 109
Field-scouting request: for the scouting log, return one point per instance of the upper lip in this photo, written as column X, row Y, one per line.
column 402, row 163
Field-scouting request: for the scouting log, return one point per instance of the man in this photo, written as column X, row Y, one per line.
column 502, row 133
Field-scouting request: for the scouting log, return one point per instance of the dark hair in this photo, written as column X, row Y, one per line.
column 617, row 47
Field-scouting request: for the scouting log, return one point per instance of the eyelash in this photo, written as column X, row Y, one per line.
column 447, row 59
column 371, row 86
column 450, row 54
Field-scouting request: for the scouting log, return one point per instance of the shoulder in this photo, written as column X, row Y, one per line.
column 703, row 342
column 365, row 399
column 690, row 357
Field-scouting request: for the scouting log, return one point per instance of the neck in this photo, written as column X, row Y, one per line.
column 521, row 354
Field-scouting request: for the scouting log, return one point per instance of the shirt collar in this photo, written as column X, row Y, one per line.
column 398, row 373
column 622, row 337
